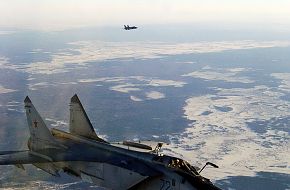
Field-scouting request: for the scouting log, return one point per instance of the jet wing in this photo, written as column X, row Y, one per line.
column 30, row 157
column 21, row 157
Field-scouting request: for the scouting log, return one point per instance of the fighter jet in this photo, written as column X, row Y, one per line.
column 82, row 153
column 129, row 27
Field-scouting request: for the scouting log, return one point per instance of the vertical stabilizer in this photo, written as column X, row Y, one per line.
column 79, row 121
column 40, row 136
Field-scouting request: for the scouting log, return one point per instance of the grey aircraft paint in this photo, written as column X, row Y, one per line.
column 81, row 153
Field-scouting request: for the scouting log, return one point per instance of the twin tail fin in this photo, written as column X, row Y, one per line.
column 79, row 123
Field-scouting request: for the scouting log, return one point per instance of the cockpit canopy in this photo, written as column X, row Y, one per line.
column 176, row 163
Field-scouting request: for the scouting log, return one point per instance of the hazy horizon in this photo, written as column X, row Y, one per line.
column 61, row 15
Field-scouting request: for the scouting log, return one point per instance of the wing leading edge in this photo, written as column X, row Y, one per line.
column 18, row 158
column 22, row 157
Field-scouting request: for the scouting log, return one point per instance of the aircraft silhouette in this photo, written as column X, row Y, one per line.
column 129, row 27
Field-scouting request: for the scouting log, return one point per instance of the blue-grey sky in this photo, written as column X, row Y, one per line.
column 61, row 14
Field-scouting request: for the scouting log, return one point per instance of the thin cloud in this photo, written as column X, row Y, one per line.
column 53, row 14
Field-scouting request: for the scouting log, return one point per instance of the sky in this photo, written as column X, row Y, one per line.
column 54, row 14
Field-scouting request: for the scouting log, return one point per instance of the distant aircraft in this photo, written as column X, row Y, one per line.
column 130, row 27
column 80, row 152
